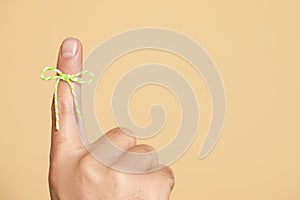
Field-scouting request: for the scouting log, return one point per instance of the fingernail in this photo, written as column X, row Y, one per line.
column 69, row 48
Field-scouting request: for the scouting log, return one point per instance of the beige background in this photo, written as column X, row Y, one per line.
column 255, row 45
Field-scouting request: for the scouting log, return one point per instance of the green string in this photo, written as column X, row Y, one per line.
column 68, row 78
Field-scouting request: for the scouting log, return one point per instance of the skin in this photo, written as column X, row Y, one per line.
column 75, row 175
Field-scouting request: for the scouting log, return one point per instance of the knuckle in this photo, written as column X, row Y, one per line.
column 84, row 164
column 142, row 148
column 87, row 170
column 168, row 174
column 119, row 136
column 65, row 106
column 145, row 155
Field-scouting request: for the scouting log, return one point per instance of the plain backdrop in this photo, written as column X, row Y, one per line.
column 255, row 45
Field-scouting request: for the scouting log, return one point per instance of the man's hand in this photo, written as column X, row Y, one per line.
column 75, row 174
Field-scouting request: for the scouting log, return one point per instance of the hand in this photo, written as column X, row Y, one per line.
column 75, row 174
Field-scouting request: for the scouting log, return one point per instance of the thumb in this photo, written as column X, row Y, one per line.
column 69, row 62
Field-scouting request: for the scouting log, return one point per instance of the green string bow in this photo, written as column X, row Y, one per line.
column 69, row 78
